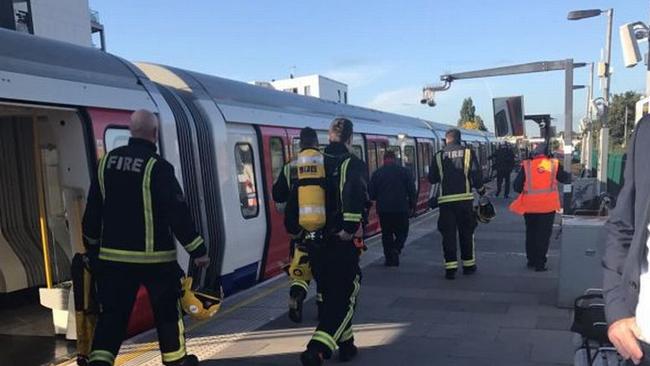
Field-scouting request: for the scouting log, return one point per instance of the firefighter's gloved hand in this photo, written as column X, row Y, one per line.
column 344, row 235
column 202, row 261
column 482, row 191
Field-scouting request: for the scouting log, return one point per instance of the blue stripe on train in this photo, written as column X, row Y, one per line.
column 240, row 279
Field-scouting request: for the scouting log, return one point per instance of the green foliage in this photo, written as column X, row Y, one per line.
column 616, row 117
column 468, row 117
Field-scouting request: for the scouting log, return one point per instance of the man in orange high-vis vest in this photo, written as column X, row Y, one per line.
column 539, row 199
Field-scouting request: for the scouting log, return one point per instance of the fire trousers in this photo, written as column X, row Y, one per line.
column 117, row 287
column 456, row 223
column 337, row 269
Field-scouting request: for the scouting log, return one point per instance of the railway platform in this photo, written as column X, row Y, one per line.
column 505, row 314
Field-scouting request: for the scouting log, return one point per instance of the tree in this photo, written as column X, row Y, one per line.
column 468, row 117
column 616, row 116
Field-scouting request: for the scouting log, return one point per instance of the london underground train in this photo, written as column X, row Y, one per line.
column 62, row 107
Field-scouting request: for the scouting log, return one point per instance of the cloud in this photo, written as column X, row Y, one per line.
column 357, row 75
column 397, row 100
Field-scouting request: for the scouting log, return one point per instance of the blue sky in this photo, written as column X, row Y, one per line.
column 385, row 50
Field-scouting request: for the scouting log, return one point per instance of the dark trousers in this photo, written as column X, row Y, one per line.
column 117, row 287
column 394, row 231
column 503, row 176
column 456, row 223
column 539, row 227
column 339, row 277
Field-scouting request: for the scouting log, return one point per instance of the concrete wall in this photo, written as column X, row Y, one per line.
column 63, row 20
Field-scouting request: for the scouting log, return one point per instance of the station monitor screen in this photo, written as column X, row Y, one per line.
column 509, row 116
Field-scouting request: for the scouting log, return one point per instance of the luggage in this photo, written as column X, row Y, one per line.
column 590, row 323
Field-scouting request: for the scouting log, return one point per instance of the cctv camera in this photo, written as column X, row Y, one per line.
column 631, row 53
column 431, row 103
column 423, row 101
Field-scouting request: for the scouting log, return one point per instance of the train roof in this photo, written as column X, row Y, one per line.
column 28, row 54
column 232, row 96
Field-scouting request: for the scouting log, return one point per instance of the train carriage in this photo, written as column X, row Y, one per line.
column 62, row 107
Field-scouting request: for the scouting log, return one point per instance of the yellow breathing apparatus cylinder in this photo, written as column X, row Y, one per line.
column 311, row 194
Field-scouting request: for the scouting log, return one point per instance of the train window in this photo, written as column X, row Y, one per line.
column 421, row 160
column 358, row 151
column 397, row 151
column 277, row 156
column 115, row 137
column 372, row 157
column 381, row 151
column 244, row 163
column 409, row 158
column 295, row 146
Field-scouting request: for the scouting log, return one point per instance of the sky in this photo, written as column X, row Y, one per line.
column 386, row 51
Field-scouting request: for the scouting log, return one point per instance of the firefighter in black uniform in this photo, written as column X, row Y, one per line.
column 134, row 206
column 336, row 261
column 284, row 186
column 456, row 169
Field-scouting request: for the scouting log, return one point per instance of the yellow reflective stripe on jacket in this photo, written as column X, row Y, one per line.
column 455, row 197
column 148, row 209
column 467, row 195
column 131, row 256
column 353, row 217
column 100, row 175
column 466, row 165
column 343, row 172
column 101, row 356
column 194, row 244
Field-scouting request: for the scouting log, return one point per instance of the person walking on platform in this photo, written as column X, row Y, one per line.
column 626, row 283
column 134, row 206
column 456, row 169
column 393, row 188
column 337, row 260
column 299, row 250
column 504, row 162
column 539, row 199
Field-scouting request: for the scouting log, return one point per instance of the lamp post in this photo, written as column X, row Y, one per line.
column 604, row 72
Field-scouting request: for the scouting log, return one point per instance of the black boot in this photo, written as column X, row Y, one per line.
column 311, row 358
column 450, row 274
column 469, row 270
column 347, row 351
column 189, row 360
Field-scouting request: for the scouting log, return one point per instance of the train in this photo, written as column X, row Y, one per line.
column 62, row 107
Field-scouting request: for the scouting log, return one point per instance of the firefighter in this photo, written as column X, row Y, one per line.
column 457, row 171
column 337, row 260
column 134, row 205
column 283, row 188
column 537, row 182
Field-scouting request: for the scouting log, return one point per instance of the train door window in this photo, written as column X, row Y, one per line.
column 358, row 151
column 397, row 151
column 381, row 151
column 115, row 137
column 372, row 157
column 295, row 146
column 277, row 156
column 421, row 161
column 409, row 159
column 246, row 181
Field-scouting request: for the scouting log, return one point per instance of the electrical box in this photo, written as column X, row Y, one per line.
column 602, row 69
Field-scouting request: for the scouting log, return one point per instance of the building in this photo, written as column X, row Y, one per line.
column 312, row 86
column 64, row 20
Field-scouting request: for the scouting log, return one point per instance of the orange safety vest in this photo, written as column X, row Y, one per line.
column 540, row 193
